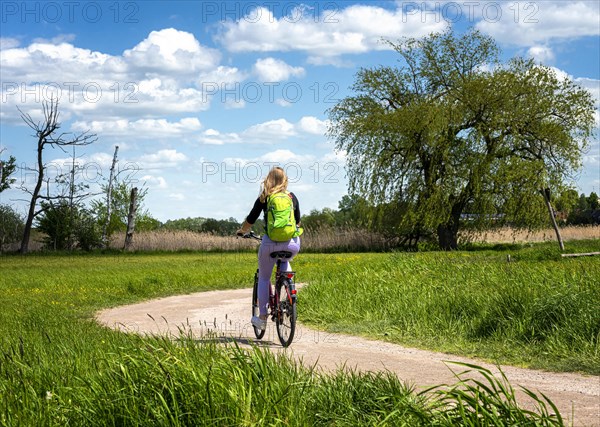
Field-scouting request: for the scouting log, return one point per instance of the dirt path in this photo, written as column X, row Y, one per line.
column 227, row 313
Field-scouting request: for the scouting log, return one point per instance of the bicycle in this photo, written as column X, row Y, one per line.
column 282, row 301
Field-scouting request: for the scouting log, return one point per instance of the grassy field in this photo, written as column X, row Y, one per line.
column 537, row 310
column 57, row 366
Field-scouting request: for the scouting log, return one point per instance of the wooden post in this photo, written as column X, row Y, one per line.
column 578, row 255
column 131, row 218
column 546, row 193
column 109, row 199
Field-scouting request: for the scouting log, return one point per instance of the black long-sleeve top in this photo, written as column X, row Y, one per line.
column 262, row 207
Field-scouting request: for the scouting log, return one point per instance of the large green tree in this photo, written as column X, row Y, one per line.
column 452, row 130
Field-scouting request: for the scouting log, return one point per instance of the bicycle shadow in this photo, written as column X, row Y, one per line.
column 244, row 341
column 240, row 333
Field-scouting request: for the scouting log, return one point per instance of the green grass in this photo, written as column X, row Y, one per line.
column 536, row 311
column 153, row 381
column 58, row 367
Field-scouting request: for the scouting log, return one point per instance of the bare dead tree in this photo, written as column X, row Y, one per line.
column 109, row 199
column 47, row 133
column 131, row 217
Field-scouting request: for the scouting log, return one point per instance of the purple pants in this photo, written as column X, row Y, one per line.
column 266, row 264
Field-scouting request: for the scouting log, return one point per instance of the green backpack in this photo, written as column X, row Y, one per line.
column 281, row 223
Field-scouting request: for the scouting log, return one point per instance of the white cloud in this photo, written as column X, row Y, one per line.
column 214, row 137
column 270, row 130
column 312, row 125
column 160, row 160
column 61, row 38
column 156, row 182
column 281, row 129
column 592, row 85
column 140, row 129
column 172, row 50
column 103, row 160
column 283, row 102
column 47, row 62
column 533, row 23
column 354, row 29
column 167, row 72
column 268, row 159
column 8, row 43
column 591, row 160
column 283, row 156
column 541, row 54
column 218, row 78
column 234, row 104
column 167, row 157
column 275, row 70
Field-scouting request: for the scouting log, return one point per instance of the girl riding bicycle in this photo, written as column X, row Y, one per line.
column 275, row 182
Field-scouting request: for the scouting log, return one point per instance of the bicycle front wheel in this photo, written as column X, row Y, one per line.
column 286, row 312
column 255, row 310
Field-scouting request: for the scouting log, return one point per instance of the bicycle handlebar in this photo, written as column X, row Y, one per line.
column 250, row 235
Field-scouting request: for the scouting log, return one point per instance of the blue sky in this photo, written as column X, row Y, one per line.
column 204, row 97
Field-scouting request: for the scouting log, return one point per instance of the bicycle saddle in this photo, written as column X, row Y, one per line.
column 281, row 254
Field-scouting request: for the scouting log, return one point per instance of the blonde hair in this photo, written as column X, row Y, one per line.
column 275, row 182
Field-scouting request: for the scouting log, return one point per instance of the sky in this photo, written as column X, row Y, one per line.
column 203, row 98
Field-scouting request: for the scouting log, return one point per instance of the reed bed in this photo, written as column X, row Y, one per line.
column 328, row 240
column 334, row 240
column 324, row 240
column 182, row 240
column 345, row 240
column 511, row 235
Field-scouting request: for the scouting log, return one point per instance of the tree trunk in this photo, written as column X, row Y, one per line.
column 448, row 232
column 447, row 237
column 131, row 218
column 109, row 199
column 34, row 199
column 546, row 194
column 71, row 238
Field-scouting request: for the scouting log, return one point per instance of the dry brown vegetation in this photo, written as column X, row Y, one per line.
column 509, row 235
column 187, row 240
column 326, row 240
column 322, row 241
column 178, row 240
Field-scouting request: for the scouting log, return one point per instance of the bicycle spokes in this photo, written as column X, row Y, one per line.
column 286, row 312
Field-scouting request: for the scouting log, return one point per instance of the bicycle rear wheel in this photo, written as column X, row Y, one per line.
column 255, row 310
column 286, row 312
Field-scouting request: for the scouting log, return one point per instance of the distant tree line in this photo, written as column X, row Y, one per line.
column 219, row 227
column 586, row 210
column 66, row 228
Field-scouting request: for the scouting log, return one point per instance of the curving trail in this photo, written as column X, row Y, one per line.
column 227, row 313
